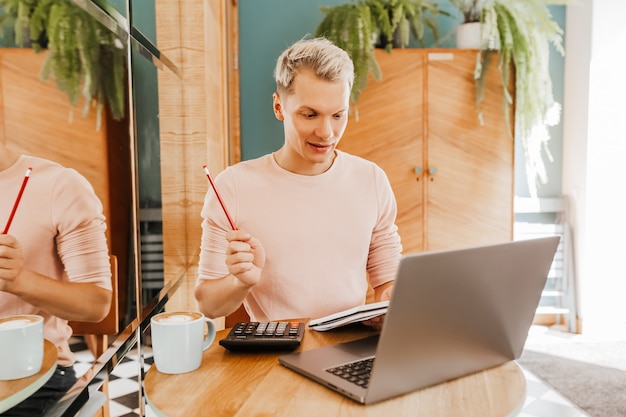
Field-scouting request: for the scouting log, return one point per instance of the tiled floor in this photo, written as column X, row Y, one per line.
column 123, row 382
column 541, row 400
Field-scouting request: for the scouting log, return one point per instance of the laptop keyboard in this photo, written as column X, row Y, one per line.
column 356, row 372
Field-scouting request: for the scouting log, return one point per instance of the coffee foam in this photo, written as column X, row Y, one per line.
column 177, row 318
column 16, row 322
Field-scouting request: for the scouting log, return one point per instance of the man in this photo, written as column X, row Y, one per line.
column 312, row 222
column 54, row 259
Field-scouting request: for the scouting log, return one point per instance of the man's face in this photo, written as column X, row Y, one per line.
column 315, row 116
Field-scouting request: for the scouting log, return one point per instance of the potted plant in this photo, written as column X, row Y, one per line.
column 359, row 27
column 521, row 32
column 83, row 56
column 469, row 33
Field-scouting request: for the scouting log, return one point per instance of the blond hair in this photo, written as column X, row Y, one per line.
column 324, row 58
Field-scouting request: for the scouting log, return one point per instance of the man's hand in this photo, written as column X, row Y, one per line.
column 11, row 261
column 378, row 321
column 245, row 257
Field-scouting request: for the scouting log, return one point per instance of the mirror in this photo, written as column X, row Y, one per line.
column 39, row 120
column 120, row 158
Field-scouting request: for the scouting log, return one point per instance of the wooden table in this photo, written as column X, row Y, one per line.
column 255, row 384
column 15, row 391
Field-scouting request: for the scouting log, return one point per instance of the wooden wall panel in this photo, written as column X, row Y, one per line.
column 172, row 130
column 216, row 91
column 193, row 117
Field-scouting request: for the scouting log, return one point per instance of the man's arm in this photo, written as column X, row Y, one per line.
column 76, row 301
column 220, row 297
column 66, row 300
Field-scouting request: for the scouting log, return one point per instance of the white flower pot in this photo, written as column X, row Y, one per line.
column 468, row 35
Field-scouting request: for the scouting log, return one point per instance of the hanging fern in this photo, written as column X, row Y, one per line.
column 356, row 28
column 521, row 32
column 525, row 32
column 83, row 57
column 350, row 27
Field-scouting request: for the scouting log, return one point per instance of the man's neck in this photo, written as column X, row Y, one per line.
column 283, row 161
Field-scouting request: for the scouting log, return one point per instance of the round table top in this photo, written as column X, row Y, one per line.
column 229, row 384
column 15, row 391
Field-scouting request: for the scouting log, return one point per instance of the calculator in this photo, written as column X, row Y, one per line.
column 264, row 336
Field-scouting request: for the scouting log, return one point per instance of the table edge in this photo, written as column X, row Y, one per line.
column 18, row 397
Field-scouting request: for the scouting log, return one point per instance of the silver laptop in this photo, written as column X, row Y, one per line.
column 452, row 313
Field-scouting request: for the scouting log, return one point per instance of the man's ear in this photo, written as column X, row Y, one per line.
column 278, row 111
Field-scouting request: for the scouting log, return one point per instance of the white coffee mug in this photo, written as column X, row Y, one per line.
column 21, row 346
column 178, row 340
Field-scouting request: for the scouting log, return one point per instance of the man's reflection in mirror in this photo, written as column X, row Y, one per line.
column 54, row 259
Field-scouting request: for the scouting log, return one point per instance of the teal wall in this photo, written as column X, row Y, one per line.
column 120, row 6
column 146, row 96
column 267, row 27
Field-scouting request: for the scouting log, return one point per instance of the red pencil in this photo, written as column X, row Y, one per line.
column 17, row 201
column 230, row 220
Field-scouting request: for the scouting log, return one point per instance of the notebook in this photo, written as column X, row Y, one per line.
column 452, row 313
column 351, row 315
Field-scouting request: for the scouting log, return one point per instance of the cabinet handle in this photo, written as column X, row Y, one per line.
column 432, row 170
column 418, row 170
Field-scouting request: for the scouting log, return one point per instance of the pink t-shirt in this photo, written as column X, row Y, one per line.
column 61, row 228
column 323, row 234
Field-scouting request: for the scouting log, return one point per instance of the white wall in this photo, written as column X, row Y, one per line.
column 594, row 157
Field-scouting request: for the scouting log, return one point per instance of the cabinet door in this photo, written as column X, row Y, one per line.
column 470, row 193
column 386, row 127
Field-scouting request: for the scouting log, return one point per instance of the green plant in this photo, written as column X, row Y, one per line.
column 82, row 55
column 359, row 26
column 521, row 32
column 471, row 9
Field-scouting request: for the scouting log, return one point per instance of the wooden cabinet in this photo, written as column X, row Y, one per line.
column 452, row 176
